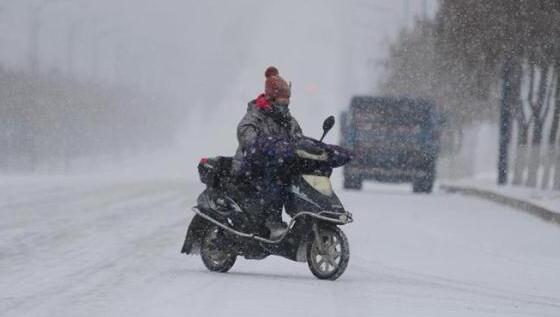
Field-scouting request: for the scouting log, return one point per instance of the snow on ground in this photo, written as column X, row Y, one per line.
column 110, row 247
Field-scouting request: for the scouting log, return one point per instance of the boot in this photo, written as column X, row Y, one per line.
column 277, row 228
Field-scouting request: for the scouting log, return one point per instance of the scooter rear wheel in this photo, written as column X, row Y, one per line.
column 330, row 261
column 213, row 255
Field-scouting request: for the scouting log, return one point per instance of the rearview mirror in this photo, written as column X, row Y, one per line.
column 327, row 126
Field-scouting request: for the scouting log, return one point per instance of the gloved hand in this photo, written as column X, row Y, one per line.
column 310, row 146
column 338, row 155
column 310, row 149
column 276, row 149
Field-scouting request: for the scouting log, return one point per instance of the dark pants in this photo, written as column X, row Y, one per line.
column 273, row 191
column 270, row 165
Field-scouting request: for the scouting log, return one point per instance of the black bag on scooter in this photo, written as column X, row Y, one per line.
column 215, row 172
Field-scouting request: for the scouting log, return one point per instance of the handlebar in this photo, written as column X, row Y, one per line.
column 314, row 150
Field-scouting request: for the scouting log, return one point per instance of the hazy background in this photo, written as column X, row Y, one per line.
column 178, row 73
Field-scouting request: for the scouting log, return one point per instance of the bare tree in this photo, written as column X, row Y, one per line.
column 538, row 79
column 484, row 34
column 551, row 154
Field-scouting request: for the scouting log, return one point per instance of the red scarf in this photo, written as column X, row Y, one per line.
column 262, row 102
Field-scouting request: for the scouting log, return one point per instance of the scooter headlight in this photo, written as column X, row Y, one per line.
column 321, row 184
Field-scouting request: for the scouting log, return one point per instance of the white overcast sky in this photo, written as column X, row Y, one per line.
column 204, row 54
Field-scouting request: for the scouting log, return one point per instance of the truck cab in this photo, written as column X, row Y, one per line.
column 394, row 139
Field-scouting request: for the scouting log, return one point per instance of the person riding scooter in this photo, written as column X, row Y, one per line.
column 267, row 135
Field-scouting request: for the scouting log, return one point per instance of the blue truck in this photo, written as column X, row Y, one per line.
column 394, row 139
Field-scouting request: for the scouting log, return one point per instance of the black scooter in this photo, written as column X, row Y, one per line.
column 226, row 222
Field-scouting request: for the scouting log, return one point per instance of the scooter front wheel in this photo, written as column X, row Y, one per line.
column 212, row 252
column 328, row 258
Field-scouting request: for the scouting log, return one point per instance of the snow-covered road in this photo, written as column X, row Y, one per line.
column 78, row 247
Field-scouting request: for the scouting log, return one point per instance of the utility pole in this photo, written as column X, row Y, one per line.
column 73, row 30
column 505, row 121
column 406, row 12
column 95, row 52
column 1, row 9
column 424, row 9
column 34, row 27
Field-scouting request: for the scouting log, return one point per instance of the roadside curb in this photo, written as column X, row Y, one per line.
column 535, row 210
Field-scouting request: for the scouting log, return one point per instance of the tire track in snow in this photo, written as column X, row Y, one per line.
column 70, row 282
column 393, row 275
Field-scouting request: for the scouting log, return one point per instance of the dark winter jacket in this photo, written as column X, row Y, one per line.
column 262, row 138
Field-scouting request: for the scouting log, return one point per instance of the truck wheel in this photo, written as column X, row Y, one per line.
column 352, row 182
column 424, row 184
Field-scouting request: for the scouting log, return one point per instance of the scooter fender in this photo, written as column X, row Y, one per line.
column 195, row 232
